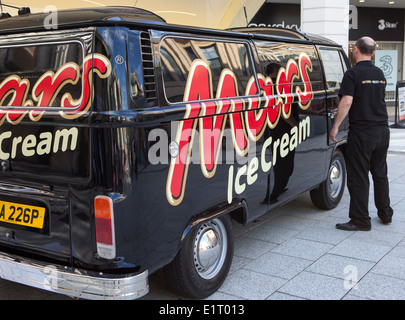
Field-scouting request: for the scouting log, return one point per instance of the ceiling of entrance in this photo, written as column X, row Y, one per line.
column 219, row 14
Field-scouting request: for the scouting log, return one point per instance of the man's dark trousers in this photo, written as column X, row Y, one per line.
column 367, row 152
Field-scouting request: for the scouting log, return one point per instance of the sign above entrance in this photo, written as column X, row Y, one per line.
column 379, row 23
column 278, row 15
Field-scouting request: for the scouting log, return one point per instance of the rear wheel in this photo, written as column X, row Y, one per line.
column 329, row 193
column 203, row 260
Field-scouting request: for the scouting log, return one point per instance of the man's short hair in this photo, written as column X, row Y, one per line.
column 366, row 46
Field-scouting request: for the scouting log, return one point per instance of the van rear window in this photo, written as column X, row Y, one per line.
column 179, row 55
column 22, row 68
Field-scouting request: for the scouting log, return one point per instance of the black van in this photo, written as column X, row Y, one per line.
column 128, row 145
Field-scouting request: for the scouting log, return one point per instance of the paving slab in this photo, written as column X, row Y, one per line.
column 379, row 287
column 313, row 286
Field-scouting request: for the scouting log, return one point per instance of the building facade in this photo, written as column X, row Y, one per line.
column 344, row 23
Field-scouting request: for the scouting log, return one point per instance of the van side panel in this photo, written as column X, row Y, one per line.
column 266, row 137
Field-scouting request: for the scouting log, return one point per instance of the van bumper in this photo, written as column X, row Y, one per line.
column 73, row 282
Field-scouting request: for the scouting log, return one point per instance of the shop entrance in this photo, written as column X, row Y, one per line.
column 389, row 58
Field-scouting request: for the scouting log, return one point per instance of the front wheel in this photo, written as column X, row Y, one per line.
column 329, row 193
column 204, row 259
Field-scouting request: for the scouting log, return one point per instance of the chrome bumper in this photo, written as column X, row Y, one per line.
column 73, row 282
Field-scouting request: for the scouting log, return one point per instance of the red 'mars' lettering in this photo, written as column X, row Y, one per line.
column 285, row 79
column 212, row 123
column 14, row 90
column 256, row 116
column 48, row 86
column 228, row 88
column 95, row 63
column 198, row 87
column 305, row 96
column 211, row 126
column 210, row 116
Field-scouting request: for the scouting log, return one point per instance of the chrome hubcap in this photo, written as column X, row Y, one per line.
column 335, row 179
column 210, row 247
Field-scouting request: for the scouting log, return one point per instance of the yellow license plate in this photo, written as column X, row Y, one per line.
column 21, row 214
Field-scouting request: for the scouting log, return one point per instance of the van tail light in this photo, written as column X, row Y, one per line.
column 104, row 220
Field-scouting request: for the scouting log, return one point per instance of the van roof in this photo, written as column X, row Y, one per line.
column 81, row 17
column 119, row 15
column 285, row 33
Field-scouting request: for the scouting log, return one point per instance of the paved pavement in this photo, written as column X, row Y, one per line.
column 295, row 252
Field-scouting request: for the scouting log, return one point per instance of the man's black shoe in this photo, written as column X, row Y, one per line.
column 385, row 215
column 351, row 227
column 386, row 220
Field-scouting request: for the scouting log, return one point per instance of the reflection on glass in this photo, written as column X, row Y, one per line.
column 178, row 55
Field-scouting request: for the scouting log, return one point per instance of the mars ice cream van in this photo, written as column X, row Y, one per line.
column 129, row 145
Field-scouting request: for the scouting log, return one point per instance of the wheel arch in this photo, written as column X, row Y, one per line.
column 341, row 145
column 237, row 210
column 328, row 194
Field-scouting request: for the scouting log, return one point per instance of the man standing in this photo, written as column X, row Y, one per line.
column 362, row 95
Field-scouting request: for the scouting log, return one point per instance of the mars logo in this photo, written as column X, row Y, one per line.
column 14, row 91
column 248, row 117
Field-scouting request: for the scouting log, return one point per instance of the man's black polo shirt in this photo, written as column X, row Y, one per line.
column 366, row 84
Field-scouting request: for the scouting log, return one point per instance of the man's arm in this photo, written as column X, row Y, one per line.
column 343, row 109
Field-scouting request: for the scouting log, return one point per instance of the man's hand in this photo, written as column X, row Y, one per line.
column 333, row 133
column 342, row 111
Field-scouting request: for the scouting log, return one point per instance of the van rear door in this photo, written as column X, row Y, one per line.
column 45, row 97
column 298, row 136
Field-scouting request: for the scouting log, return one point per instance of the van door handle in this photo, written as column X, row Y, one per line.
column 331, row 115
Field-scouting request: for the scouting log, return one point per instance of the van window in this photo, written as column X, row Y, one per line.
column 332, row 64
column 22, row 68
column 277, row 56
column 178, row 56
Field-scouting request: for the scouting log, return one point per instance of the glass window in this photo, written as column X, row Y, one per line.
column 171, row 70
column 274, row 56
column 178, row 55
column 333, row 67
column 22, row 68
column 211, row 54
